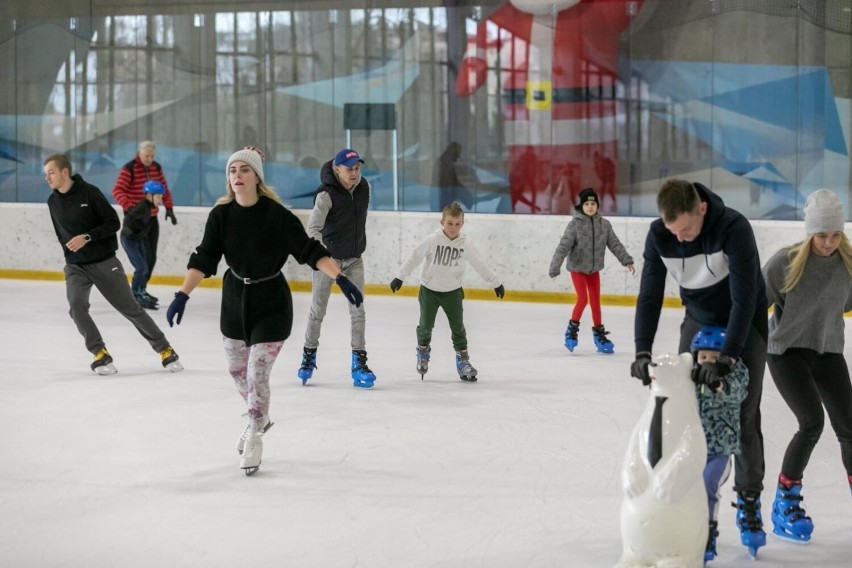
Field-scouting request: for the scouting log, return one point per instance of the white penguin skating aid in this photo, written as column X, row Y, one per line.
column 664, row 515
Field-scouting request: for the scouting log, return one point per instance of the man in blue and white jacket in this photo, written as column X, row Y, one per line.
column 710, row 251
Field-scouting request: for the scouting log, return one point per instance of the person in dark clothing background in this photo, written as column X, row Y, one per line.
column 134, row 233
column 710, row 251
column 86, row 227
column 255, row 234
column 129, row 190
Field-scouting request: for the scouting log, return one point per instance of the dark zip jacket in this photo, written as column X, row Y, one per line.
column 83, row 209
column 718, row 274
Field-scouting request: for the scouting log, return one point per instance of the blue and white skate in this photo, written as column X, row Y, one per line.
column 423, row 353
column 750, row 521
column 309, row 363
column 362, row 376
column 710, row 549
column 571, row 335
column 603, row 344
column 788, row 518
column 466, row 371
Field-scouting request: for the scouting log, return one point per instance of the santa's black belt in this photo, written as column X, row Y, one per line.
column 255, row 280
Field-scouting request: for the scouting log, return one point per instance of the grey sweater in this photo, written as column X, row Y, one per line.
column 809, row 316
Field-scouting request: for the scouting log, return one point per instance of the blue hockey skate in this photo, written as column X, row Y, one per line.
column 750, row 521
column 362, row 376
column 423, row 352
column 788, row 517
column 571, row 335
column 603, row 344
column 309, row 363
column 710, row 550
column 466, row 371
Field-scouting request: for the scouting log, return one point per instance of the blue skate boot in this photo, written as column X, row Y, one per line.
column 788, row 517
column 571, row 335
column 710, row 550
column 603, row 344
column 423, row 352
column 466, row 371
column 362, row 376
column 309, row 363
column 750, row 521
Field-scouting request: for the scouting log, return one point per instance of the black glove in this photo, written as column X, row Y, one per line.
column 500, row 291
column 712, row 374
column 352, row 293
column 170, row 214
column 639, row 368
column 395, row 285
column 176, row 308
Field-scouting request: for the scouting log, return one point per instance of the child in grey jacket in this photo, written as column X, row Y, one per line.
column 584, row 243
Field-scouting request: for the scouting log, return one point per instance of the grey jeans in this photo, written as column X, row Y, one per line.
column 109, row 278
column 352, row 268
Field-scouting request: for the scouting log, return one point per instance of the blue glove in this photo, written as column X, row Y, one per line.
column 395, row 285
column 352, row 293
column 176, row 308
column 170, row 214
column 500, row 291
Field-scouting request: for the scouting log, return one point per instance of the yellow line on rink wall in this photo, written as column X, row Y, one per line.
column 374, row 289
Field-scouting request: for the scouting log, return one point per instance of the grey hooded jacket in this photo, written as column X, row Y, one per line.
column 584, row 243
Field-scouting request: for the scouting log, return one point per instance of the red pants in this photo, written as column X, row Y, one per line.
column 588, row 288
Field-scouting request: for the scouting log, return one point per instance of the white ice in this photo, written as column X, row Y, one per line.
column 522, row 468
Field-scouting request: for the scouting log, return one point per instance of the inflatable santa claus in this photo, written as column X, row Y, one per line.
column 558, row 62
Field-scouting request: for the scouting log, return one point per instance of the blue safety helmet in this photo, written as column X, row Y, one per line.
column 154, row 187
column 710, row 337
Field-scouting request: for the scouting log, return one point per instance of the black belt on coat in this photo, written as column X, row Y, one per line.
column 248, row 281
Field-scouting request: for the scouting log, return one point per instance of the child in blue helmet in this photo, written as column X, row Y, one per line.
column 134, row 233
column 719, row 408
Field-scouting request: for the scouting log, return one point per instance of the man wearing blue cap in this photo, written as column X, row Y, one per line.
column 339, row 220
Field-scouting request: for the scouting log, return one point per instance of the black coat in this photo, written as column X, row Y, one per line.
column 84, row 210
column 255, row 242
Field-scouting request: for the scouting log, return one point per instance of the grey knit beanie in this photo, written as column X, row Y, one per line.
column 251, row 157
column 823, row 212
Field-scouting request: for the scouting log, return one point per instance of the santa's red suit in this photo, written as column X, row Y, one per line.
column 559, row 73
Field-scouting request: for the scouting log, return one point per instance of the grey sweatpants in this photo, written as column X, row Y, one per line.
column 109, row 278
column 353, row 269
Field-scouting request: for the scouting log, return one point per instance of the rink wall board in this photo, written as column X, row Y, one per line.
column 519, row 248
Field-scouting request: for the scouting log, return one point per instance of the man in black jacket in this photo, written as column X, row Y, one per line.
column 86, row 226
column 339, row 221
column 710, row 251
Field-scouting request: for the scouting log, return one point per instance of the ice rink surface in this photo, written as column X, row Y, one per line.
column 520, row 469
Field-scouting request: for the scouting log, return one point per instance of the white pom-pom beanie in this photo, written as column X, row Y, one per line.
column 251, row 157
column 823, row 212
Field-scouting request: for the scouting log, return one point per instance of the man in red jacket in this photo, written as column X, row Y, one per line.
column 130, row 189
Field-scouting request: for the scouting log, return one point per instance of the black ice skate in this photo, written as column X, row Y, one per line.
column 423, row 352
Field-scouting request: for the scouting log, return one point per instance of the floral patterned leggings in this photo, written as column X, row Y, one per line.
column 250, row 367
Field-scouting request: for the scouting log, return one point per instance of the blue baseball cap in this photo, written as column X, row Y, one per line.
column 347, row 157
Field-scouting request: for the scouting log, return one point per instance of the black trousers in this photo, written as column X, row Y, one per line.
column 151, row 246
column 749, row 464
column 809, row 381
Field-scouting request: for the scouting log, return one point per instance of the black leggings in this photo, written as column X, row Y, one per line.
column 808, row 381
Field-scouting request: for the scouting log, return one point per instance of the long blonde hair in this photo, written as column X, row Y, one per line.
column 263, row 190
column 799, row 253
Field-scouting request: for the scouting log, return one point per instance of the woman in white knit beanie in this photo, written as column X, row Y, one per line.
column 809, row 286
column 255, row 234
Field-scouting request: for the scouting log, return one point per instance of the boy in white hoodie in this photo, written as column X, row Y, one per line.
column 443, row 257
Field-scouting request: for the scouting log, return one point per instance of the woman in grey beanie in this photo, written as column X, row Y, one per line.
column 809, row 285
column 255, row 234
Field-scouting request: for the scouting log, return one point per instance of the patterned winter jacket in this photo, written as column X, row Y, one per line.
column 720, row 412
column 584, row 243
